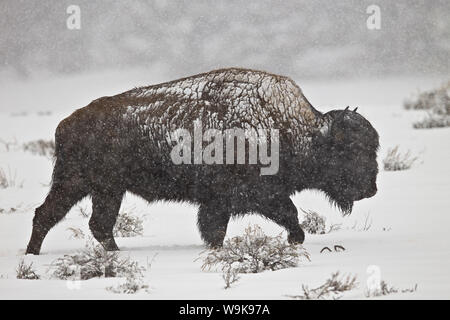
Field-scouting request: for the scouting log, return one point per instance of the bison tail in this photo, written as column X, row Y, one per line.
column 58, row 155
column 66, row 156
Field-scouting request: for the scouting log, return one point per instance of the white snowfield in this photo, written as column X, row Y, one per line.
column 408, row 220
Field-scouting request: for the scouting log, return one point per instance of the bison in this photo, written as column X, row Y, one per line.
column 120, row 143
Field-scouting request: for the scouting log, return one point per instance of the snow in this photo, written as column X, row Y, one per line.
column 408, row 238
column 240, row 93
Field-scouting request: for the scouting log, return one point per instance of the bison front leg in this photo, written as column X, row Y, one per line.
column 282, row 211
column 212, row 223
column 105, row 209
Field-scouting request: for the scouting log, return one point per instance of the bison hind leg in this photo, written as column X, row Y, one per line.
column 105, row 209
column 212, row 223
column 62, row 197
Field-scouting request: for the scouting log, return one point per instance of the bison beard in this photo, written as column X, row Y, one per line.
column 120, row 143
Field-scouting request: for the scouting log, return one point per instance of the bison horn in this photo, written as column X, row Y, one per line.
column 347, row 108
column 355, row 109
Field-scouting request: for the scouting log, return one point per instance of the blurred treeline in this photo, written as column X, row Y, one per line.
column 308, row 39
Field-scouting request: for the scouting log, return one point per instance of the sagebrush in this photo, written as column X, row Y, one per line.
column 230, row 275
column 9, row 145
column 437, row 104
column 386, row 289
column 94, row 261
column 331, row 289
column 313, row 222
column 254, row 252
column 75, row 233
column 9, row 180
column 131, row 285
column 432, row 120
column 396, row 161
column 40, row 147
column 26, row 271
column 128, row 225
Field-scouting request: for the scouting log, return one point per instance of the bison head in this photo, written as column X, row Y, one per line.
column 346, row 158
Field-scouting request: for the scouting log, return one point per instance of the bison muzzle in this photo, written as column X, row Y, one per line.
column 120, row 143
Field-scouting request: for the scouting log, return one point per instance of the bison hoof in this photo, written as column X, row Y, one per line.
column 32, row 251
column 215, row 246
column 109, row 245
column 296, row 238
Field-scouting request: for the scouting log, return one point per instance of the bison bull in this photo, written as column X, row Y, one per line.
column 120, row 143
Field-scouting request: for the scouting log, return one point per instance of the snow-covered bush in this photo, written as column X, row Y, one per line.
column 313, row 222
column 385, row 290
column 94, row 261
column 363, row 225
column 9, row 180
column 331, row 289
column 76, row 233
column 26, row 271
column 9, row 145
column 131, row 285
column 134, row 282
column 128, row 225
column 437, row 104
column 433, row 120
column 230, row 275
column 430, row 99
column 40, row 147
column 44, row 113
column 395, row 160
column 4, row 183
column 254, row 252
column 11, row 209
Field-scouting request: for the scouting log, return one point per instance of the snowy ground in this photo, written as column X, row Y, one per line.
column 409, row 218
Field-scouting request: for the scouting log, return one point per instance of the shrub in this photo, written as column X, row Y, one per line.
column 364, row 226
column 9, row 145
column 433, row 120
column 40, row 147
column 385, row 290
column 128, row 225
column 436, row 98
column 331, row 289
column 12, row 209
column 313, row 222
column 10, row 180
column 230, row 275
column 44, row 113
column 437, row 104
column 94, row 261
column 26, row 271
column 131, row 285
column 134, row 282
column 254, row 252
column 395, row 161
column 76, row 233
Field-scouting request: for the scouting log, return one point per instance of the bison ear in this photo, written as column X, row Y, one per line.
column 337, row 126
